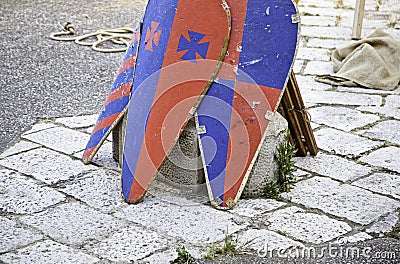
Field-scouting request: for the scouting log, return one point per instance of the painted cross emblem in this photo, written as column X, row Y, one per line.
column 193, row 46
column 152, row 36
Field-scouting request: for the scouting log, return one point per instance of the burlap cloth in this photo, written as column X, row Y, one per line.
column 373, row 62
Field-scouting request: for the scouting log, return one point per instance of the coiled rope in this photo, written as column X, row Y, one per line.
column 119, row 36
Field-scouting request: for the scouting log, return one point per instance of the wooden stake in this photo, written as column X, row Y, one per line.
column 358, row 19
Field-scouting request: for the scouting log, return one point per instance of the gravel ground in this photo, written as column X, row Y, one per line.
column 41, row 78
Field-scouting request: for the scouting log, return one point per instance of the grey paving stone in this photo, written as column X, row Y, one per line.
column 48, row 252
column 195, row 224
column 46, row 165
column 339, row 98
column 39, row 127
column 19, row 147
column 343, row 143
column 390, row 109
column 160, row 258
column 60, row 139
column 326, row 32
column 316, row 3
column 385, row 130
column 342, row 200
column 254, row 207
column 307, row 227
column 78, row 121
column 100, row 189
column 297, row 66
column 130, row 244
column 317, row 11
column 385, row 225
column 21, row 195
column 366, row 90
column 265, row 241
column 104, row 157
column 73, row 223
column 325, row 43
column 381, row 183
column 342, row 118
column 13, row 237
column 323, row 21
column 308, row 83
column 318, row 68
column 313, row 54
column 333, row 166
column 358, row 237
column 388, row 158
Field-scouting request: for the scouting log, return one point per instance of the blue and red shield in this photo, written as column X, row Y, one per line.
column 116, row 102
column 234, row 115
column 178, row 58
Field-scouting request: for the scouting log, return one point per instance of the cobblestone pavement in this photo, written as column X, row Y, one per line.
column 55, row 209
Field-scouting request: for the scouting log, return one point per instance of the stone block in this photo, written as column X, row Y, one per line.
column 387, row 158
column 21, row 195
column 60, row 139
column 46, row 165
column 73, row 223
column 194, row 223
column 307, row 227
column 342, row 200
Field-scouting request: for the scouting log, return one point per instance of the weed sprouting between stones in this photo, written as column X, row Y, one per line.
column 231, row 247
column 184, row 257
column 284, row 173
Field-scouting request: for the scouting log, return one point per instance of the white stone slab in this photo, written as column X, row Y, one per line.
column 255, row 207
column 341, row 98
column 343, row 143
column 78, row 121
column 265, row 241
column 387, row 130
column 48, row 252
column 160, row 258
column 323, row 21
column 100, row 189
column 73, row 223
column 366, row 90
column 316, row 11
column 195, row 224
column 39, row 127
column 307, row 227
column 325, row 43
column 318, row 68
column 60, row 139
column 381, row 183
column 358, row 237
column 46, row 165
column 104, row 157
column 342, row 118
column 21, row 195
column 308, row 83
column 13, row 236
column 326, row 32
column 388, row 158
column 332, row 166
column 19, row 147
column 130, row 244
column 385, row 225
column 313, row 54
column 297, row 66
column 390, row 109
column 342, row 200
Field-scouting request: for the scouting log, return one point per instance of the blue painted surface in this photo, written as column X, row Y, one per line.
column 269, row 42
column 146, row 79
column 215, row 113
column 123, row 78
